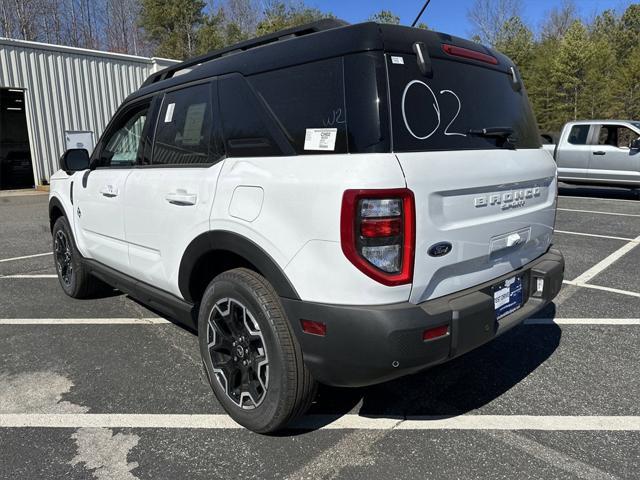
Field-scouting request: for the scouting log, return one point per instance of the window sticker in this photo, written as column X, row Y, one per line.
column 169, row 115
column 320, row 139
column 397, row 60
column 194, row 119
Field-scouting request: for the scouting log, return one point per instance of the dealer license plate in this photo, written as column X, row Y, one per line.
column 507, row 296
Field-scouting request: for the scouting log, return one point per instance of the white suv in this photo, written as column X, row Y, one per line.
column 333, row 203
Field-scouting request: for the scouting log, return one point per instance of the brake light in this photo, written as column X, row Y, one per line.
column 377, row 230
column 467, row 53
column 386, row 227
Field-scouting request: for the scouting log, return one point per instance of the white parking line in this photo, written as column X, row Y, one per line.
column 43, row 275
column 600, row 287
column 582, row 321
column 602, row 213
column 326, row 422
column 24, row 257
column 606, row 262
column 596, row 236
column 523, row 422
column 84, row 321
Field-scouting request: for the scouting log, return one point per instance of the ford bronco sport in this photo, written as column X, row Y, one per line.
column 334, row 203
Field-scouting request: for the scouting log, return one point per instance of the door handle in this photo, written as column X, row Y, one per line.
column 109, row 191
column 599, row 152
column 181, row 198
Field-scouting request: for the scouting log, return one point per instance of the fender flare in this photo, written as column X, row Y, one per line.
column 55, row 202
column 223, row 240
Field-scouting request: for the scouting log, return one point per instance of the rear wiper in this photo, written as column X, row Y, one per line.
column 501, row 134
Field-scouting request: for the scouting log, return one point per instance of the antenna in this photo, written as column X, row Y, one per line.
column 421, row 12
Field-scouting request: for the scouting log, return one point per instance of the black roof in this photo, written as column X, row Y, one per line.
column 315, row 41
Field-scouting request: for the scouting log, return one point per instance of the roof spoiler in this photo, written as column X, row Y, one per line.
column 301, row 30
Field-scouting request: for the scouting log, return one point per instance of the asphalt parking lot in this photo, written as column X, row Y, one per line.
column 106, row 389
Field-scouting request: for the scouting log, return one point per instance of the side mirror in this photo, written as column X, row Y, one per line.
column 74, row 160
column 635, row 144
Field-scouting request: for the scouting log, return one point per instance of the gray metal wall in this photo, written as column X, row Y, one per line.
column 68, row 89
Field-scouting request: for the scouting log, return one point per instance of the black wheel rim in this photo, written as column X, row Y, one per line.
column 62, row 251
column 238, row 353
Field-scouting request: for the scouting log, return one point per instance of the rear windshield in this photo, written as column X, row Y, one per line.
column 437, row 113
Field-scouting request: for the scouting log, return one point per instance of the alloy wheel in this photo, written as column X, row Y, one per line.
column 62, row 251
column 238, row 353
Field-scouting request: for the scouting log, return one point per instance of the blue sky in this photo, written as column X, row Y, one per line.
column 450, row 16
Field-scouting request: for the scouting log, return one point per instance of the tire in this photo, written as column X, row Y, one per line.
column 254, row 366
column 73, row 276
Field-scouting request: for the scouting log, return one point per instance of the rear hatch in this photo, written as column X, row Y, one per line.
column 485, row 200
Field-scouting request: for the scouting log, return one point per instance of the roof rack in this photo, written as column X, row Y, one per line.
column 301, row 30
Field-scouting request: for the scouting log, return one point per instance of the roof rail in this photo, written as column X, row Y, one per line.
column 306, row 29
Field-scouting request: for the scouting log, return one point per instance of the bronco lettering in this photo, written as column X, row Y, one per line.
column 508, row 200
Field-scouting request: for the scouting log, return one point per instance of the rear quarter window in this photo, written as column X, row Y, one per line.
column 437, row 113
column 579, row 135
column 307, row 98
column 247, row 128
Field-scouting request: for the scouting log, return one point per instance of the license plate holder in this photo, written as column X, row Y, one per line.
column 508, row 296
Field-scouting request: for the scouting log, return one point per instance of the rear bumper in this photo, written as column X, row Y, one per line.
column 365, row 345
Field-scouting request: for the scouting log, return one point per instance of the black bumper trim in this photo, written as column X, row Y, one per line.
column 365, row 345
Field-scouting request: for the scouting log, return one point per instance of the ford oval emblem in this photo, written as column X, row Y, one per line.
column 440, row 249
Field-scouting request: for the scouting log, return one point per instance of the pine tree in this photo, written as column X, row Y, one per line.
column 279, row 15
column 385, row 16
column 570, row 68
column 172, row 25
column 544, row 95
column 626, row 89
column 629, row 32
column 603, row 68
column 515, row 40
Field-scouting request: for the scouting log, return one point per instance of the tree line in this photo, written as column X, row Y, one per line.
column 573, row 68
column 166, row 28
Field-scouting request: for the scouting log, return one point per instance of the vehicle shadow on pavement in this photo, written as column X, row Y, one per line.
column 454, row 388
column 460, row 386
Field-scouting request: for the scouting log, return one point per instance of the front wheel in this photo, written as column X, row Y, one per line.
column 74, row 278
column 252, row 360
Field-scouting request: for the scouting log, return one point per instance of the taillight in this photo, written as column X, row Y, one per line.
column 377, row 229
column 467, row 53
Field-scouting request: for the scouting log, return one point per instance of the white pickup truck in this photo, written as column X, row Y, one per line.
column 599, row 152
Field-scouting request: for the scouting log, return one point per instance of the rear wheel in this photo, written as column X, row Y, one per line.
column 73, row 276
column 252, row 360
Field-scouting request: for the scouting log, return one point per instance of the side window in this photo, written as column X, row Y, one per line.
column 308, row 101
column 122, row 144
column 608, row 135
column 579, row 134
column 365, row 79
column 247, row 129
column 616, row 136
column 184, row 133
column 625, row 137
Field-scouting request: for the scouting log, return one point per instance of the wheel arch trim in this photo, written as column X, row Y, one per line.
column 227, row 241
column 55, row 202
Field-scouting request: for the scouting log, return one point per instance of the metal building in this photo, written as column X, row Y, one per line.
column 53, row 97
